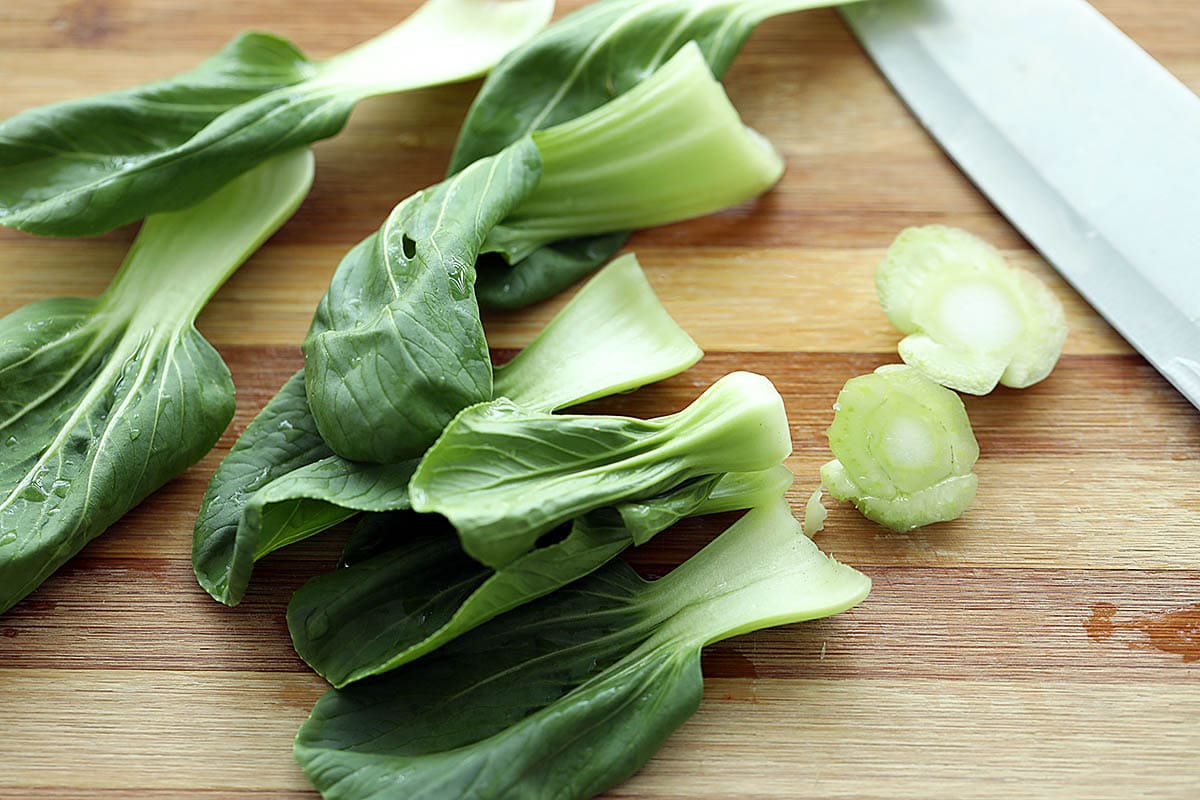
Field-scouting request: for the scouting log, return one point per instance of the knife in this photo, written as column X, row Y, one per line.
column 1080, row 138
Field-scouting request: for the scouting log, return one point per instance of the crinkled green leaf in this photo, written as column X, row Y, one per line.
column 418, row 590
column 85, row 166
column 573, row 67
column 571, row 694
column 505, row 475
column 102, row 401
column 280, row 483
column 397, row 348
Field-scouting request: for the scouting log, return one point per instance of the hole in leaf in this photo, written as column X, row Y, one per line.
column 408, row 246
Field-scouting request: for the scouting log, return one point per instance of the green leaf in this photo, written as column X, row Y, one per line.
column 573, row 67
column 505, row 475
column 280, row 483
column 410, row 588
column 597, row 53
column 630, row 341
column 319, row 495
column 671, row 148
column 86, row 166
column 282, row 438
column 732, row 491
column 394, row 607
column 571, row 694
column 105, row 400
column 543, row 274
column 397, row 348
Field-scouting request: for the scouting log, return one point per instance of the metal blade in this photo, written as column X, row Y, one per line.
column 1082, row 140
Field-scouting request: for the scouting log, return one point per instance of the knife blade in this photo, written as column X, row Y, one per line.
column 1082, row 140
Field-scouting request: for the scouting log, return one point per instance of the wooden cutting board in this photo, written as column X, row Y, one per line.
column 1047, row 644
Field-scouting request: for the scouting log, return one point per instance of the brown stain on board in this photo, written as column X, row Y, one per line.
column 1100, row 626
column 1175, row 631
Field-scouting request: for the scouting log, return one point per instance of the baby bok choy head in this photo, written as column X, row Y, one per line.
column 104, row 400
column 396, row 347
column 671, row 148
column 418, row 590
column 505, row 475
column 575, row 66
column 280, row 483
column 85, row 166
column 571, row 694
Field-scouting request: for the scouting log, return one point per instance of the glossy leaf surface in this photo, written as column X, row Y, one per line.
column 504, row 475
column 573, row 67
column 396, row 348
column 409, row 598
column 571, row 694
column 102, row 401
column 82, row 167
column 280, row 483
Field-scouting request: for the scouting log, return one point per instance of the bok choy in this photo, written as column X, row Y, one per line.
column 903, row 449
column 576, row 66
column 971, row 320
column 569, row 695
column 280, row 483
column 86, row 166
column 106, row 399
column 396, row 348
column 421, row 590
column 505, row 475
column 671, row 148
column 814, row 514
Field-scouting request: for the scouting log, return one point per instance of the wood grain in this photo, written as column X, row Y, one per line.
column 1044, row 645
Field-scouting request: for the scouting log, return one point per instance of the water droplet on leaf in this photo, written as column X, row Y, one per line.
column 33, row 492
column 317, row 624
